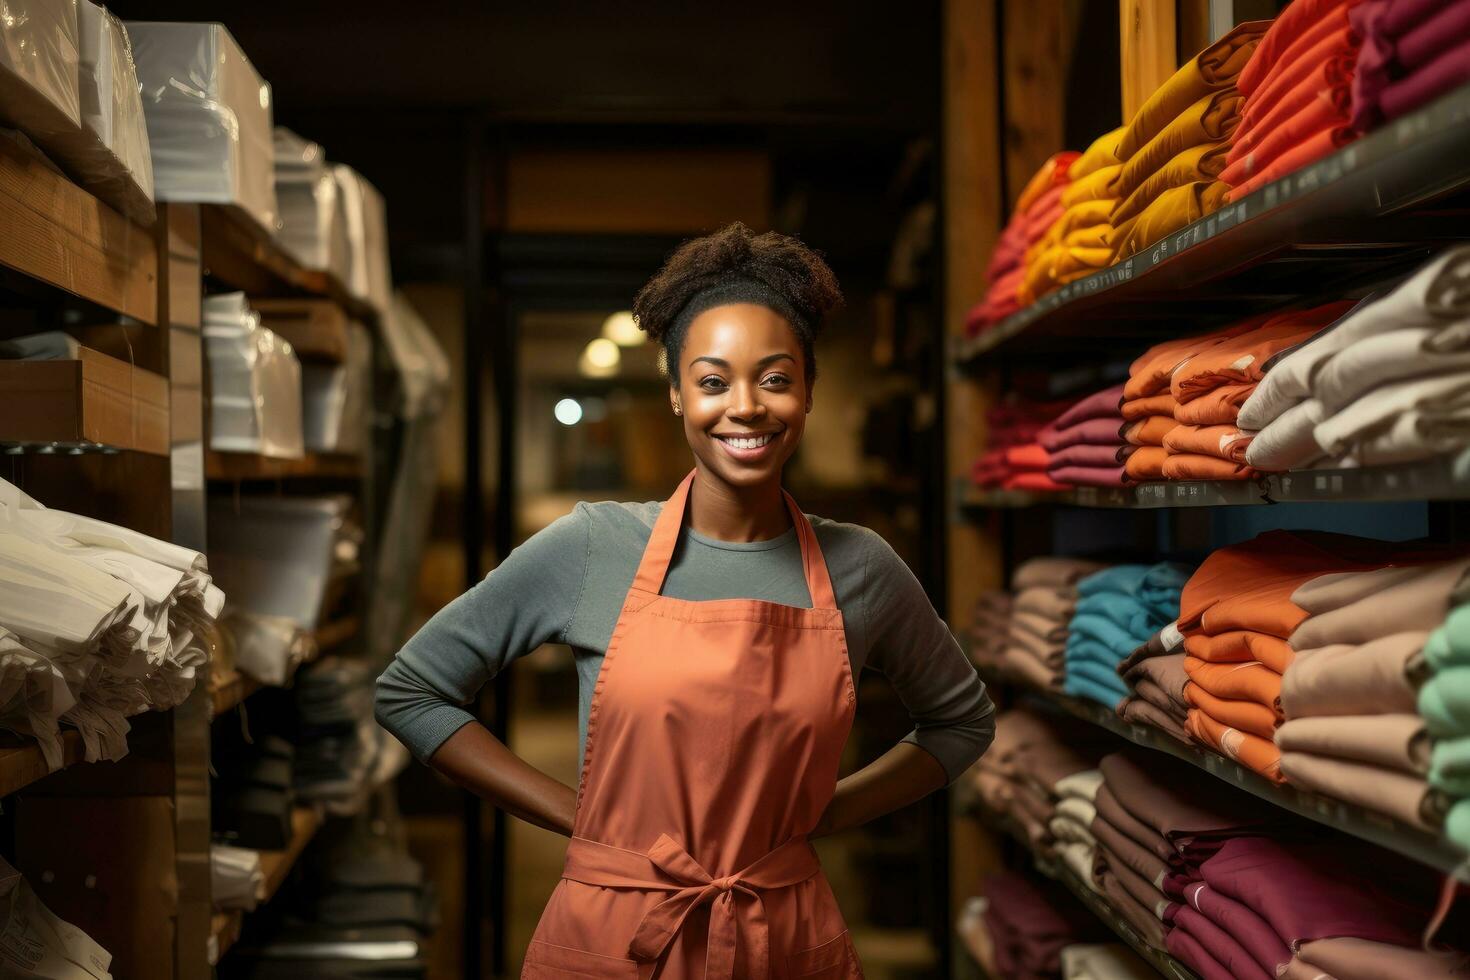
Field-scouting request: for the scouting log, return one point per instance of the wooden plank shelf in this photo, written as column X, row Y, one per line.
column 57, row 234
column 21, row 761
column 1375, row 208
column 231, row 692
column 239, row 254
column 332, row 635
column 276, row 866
column 245, row 467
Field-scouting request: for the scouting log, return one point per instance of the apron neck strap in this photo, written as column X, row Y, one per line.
column 654, row 567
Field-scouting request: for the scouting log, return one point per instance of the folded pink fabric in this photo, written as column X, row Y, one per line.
column 1103, row 404
column 1088, row 476
column 1427, row 82
column 1097, row 432
column 1090, row 454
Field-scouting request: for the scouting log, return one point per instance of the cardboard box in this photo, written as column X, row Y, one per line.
column 94, row 398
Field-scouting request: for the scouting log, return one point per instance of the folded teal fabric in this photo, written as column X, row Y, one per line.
column 1444, row 703
column 1449, row 646
column 1109, row 634
column 1094, row 682
column 1449, row 766
column 1155, row 588
column 1128, row 616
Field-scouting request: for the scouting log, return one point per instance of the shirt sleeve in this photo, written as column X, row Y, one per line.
column 528, row 600
column 954, row 719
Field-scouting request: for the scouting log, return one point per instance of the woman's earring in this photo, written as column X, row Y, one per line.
column 678, row 410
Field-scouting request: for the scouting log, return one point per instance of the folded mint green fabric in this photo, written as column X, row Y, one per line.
column 1449, row 646
column 1449, row 766
column 1444, row 703
column 1457, row 825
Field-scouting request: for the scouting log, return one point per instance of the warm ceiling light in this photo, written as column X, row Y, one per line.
column 622, row 330
column 600, row 359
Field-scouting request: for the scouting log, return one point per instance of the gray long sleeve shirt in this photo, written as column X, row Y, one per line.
column 567, row 584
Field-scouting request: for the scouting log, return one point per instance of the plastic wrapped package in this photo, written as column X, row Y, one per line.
column 367, row 234
column 336, row 398
column 209, row 118
column 115, row 163
column 274, row 555
column 38, row 68
column 236, row 878
column 268, row 648
column 34, row 942
column 313, row 213
column 33, row 696
column 255, row 382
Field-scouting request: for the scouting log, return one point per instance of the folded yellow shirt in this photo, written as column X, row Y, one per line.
column 1074, row 263
column 1169, row 212
column 1102, row 153
column 1208, row 121
column 1096, row 186
column 1095, row 236
column 1202, row 162
column 1084, row 215
column 1213, row 69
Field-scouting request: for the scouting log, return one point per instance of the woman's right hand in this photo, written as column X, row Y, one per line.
column 481, row 763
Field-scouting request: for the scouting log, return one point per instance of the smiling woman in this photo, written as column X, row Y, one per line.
column 716, row 635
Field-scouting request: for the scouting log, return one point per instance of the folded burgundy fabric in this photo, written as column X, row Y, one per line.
column 1097, row 432
column 1087, row 476
column 1103, row 404
column 1090, row 454
column 1253, row 933
column 1029, row 921
column 1224, row 950
column 1427, row 82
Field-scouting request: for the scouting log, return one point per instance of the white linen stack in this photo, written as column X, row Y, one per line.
column 97, row 623
column 1388, row 383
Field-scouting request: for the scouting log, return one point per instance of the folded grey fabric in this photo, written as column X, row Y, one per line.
column 1337, row 589
column 1344, row 679
column 1407, row 798
column 1289, row 441
column 1374, row 361
column 1167, row 674
column 1397, row 742
column 1418, row 600
column 1401, row 422
column 1159, row 698
column 1437, row 295
column 1141, row 712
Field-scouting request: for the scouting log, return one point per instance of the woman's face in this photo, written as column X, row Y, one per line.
column 743, row 392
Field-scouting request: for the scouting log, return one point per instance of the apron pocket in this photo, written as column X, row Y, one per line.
column 546, row 961
column 833, row 960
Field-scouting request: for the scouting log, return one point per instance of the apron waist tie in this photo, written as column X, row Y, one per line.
column 668, row 867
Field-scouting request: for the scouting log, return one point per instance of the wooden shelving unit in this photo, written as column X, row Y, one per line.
column 245, row 467
column 234, row 689
column 21, row 763
column 276, row 866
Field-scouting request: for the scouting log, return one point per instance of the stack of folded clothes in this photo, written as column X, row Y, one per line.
column 1079, row 242
column 1413, row 52
column 1243, row 911
column 1444, row 704
column 1237, row 609
column 1045, row 599
column 990, row 626
column 1071, row 823
column 1029, row 921
column 1083, row 445
column 1352, row 729
column 1158, row 821
column 1117, row 609
column 1211, row 384
column 1389, row 382
column 1037, row 209
column 1156, row 682
column 1013, row 459
column 1298, row 95
column 1021, row 777
column 1174, row 148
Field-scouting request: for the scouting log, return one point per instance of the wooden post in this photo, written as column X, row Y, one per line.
column 1036, row 49
column 974, row 210
column 1147, row 48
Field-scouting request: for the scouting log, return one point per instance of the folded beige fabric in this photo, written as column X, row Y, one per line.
column 1050, row 630
column 1347, row 958
column 1141, row 712
column 1401, row 421
column 1419, row 600
column 1397, row 742
column 1328, row 592
column 1048, row 652
column 1376, row 361
column 1404, row 797
column 1032, row 671
column 1167, row 673
column 1053, row 571
column 1346, row 679
column 1055, row 604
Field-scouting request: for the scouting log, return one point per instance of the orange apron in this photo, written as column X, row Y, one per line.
column 712, row 750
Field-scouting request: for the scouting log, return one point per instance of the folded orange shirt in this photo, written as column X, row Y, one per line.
column 1213, row 69
column 1299, row 24
column 1033, row 481
column 1255, row 753
column 1169, row 212
column 1197, row 466
column 1224, row 441
column 1249, row 157
column 1051, row 174
column 1248, row 586
column 1307, row 152
column 1204, row 161
column 1137, row 408
column 1247, row 716
column 1249, row 681
column 1241, row 359
column 1240, row 646
column 1218, row 406
column 1209, row 121
column 1027, row 457
column 1146, row 463
column 1150, row 372
column 1149, row 431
